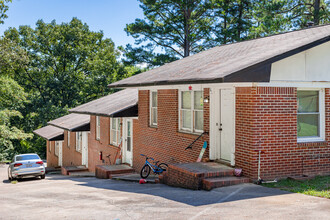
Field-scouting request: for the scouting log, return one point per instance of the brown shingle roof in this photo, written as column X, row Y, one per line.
column 229, row 63
column 50, row 133
column 72, row 122
column 110, row 104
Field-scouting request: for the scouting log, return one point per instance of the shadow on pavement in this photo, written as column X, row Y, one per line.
column 186, row 196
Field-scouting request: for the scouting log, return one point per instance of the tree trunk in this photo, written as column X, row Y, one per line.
column 316, row 13
column 187, row 15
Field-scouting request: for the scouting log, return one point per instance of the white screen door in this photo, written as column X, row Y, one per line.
column 227, row 126
column 84, row 150
column 128, row 142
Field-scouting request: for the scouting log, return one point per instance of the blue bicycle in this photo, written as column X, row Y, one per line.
column 157, row 169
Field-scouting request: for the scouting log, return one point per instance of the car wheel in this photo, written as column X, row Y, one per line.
column 43, row 176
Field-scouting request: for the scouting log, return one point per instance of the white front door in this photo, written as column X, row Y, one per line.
column 222, row 125
column 128, row 141
column 84, row 150
column 60, row 153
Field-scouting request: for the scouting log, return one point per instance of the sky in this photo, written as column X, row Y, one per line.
column 110, row 16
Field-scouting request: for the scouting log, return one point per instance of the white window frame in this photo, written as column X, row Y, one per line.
column 79, row 141
column 117, row 131
column 68, row 137
column 321, row 116
column 97, row 127
column 57, row 148
column 192, row 130
column 152, row 124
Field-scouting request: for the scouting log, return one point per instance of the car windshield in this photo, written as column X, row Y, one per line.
column 27, row 157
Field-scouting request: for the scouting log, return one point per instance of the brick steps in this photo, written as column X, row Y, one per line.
column 200, row 176
column 211, row 183
column 71, row 169
column 106, row 172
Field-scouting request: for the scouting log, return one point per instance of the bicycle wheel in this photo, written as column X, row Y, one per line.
column 145, row 171
column 163, row 166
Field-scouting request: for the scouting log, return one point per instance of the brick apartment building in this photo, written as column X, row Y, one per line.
column 269, row 95
column 67, row 140
column 112, row 120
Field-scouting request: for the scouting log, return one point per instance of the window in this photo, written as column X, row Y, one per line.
column 115, row 128
column 310, row 113
column 50, row 146
column 78, row 141
column 68, row 138
column 153, row 108
column 191, row 111
column 98, row 128
column 57, row 146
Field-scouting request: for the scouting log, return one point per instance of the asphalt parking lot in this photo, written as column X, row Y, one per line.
column 63, row 197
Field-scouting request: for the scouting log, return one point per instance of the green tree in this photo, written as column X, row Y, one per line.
column 175, row 27
column 300, row 12
column 67, row 65
column 12, row 97
column 3, row 9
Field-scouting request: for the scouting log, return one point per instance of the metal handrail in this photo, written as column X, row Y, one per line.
column 190, row 145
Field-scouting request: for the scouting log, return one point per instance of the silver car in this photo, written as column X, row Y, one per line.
column 26, row 165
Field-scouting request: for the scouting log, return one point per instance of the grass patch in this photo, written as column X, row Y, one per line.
column 319, row 186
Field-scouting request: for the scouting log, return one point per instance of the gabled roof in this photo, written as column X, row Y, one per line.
column 247, row 61
column 119, row 104
column 72, row 122
column 50, row 133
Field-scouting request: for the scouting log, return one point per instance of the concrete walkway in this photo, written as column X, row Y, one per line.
column 65, row 197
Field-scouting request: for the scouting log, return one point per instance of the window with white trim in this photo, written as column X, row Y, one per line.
column 78, row 141
column 191, row 111
column 115, row 131
column 57, row 147
column 153, row 108
column 98, row 128
column 68, row 138
column 310, row 118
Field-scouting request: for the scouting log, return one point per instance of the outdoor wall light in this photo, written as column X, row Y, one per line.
column 206, row 99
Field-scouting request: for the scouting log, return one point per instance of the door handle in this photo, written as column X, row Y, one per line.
column 220, row 129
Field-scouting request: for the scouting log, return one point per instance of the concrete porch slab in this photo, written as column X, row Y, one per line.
column 82, row 174
column 209, row 169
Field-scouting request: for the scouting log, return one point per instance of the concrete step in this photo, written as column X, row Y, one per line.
column 82, row 174
column 135, row 177
column 211, row 183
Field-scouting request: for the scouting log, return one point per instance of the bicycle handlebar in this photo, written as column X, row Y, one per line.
column 147, row 157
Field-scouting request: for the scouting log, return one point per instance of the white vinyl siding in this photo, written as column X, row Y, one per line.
column 310, row 118
column 115, row 134
column 153, row 108
column 191, row 111
column 98, row 128
column 78, row 141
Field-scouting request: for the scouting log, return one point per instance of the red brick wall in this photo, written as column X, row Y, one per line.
column 165, row 143
column 71, row 157
column 266, row 119
column 52, row 160
column 95, row 146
